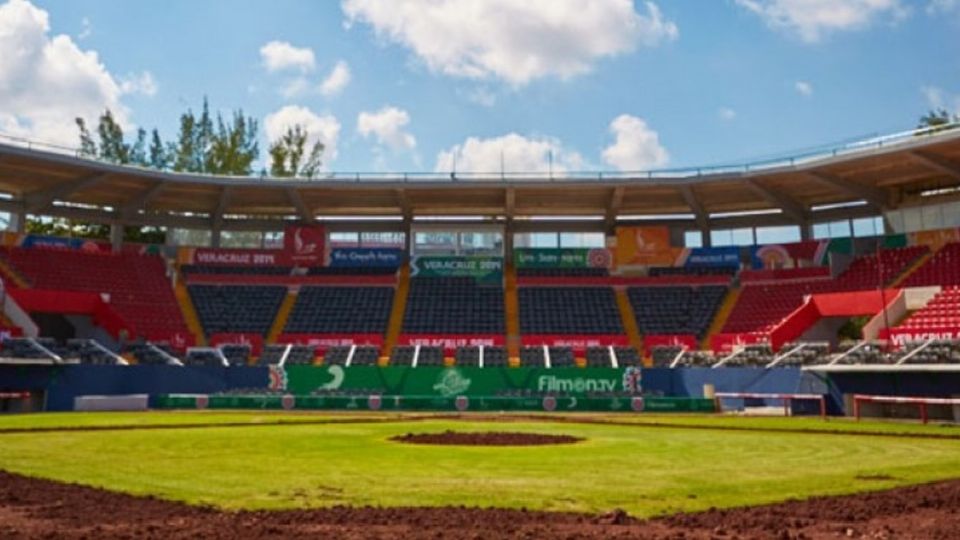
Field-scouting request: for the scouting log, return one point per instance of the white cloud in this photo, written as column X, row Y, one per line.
column 282, row 56
column 86, row 28
column 726, row 113
column 942, row 6
column 480, row 95
column 510, row 153
column 337, row 80
column 636, row 147
column 514, row 41
column 295, row 87
column 811, row 19
column 386, row 125
column 325, row 129
column 937, row 98
column 142, row 83
column 803, row 88
column 47, row 80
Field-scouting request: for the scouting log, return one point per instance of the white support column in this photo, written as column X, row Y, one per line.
column 116, row 237
column 416, row 356
column 546, row 356
column 614, row 363
column 353, row 349
column 481, row 356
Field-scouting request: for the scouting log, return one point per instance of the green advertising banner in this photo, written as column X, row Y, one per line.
column 562, row 258
column 484, row 269
column 375, row 402
column 460, row 381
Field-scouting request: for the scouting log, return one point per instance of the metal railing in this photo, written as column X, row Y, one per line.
column 792, row 159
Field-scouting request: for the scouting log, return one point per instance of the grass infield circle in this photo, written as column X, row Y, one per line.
column 485, row 438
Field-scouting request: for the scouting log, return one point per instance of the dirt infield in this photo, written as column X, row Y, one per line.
column 485, row 438
column 33, row 508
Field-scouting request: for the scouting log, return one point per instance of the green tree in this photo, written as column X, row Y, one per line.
column 158, row 157
column 233, row 147
column 88, row 148
column 112, row 147
column 287, row 155
column 183, row 151
column 138, row 152
column 937, row 120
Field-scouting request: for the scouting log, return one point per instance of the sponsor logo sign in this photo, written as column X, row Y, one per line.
column 366, row 257
column 488, row 269
column 562, row 258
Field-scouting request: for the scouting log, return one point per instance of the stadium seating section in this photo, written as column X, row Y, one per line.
column 675, row 309
column 453, row 306
column 569, row 310
column 188, row 269
column 943, row 268
column 137, row 284
column 943, row 311
column 236, row 308
column 341, row 310
column 562, row 272
column 762, row 306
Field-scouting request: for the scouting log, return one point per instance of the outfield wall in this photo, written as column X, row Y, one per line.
column 61, row 384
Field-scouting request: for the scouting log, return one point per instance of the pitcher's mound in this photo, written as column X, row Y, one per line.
column 485, row 438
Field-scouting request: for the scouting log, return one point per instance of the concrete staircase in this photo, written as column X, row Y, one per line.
column 395, row 326
column 720, row 319
column 283, row 314
column 189, row 313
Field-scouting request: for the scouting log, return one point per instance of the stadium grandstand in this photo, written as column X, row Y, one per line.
column 665, row 268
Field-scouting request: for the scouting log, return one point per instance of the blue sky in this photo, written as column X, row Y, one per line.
column 421, row 84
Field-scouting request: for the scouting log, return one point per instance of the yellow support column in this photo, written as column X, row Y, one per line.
column 511, row 306
column 399, row 308
column 720, row 319
column 897, row 281
column 280, row 321
column 629, row 320
column 189, row 313
column 12, row 274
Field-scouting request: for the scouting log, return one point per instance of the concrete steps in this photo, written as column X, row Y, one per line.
column 189, row 313
column 283, row 314
column 629, row 320
column 720, row 319
column 395, row 326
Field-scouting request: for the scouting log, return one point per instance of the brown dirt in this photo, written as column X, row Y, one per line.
column 33, row 508
column 485, row 438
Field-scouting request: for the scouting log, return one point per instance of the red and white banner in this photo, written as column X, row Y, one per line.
column 579, row 343
column 689, row 341
column 232, row 257
column 255, row 341
column 722, row 343
column 325, row 341
column 303, row 244
column 450, row 342
column 902, row 336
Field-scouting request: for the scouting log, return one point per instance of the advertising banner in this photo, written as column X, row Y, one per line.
column 303, row 245
column 461, row 381
column 324, row 341
column 562, row 258
column 37, row 240
column 645, row 246
column 255, row 341
column 366, row 257
column 688, row 341
column 230, row 257
column 450, row 342
column 578, row 343
column 376, row 402
column 483, row 269
column 711, row 257
column 775, row 256
column 903, row 336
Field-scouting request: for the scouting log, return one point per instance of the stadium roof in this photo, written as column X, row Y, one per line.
column 856, row 180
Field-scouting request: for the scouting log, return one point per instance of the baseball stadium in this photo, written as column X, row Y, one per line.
column 766, row 349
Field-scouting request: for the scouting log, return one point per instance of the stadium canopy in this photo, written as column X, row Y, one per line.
column 856, row 180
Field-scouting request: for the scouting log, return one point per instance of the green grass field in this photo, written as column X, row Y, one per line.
column 276, row 460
